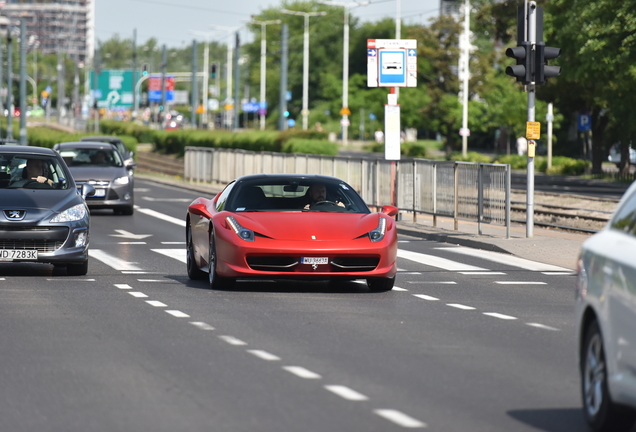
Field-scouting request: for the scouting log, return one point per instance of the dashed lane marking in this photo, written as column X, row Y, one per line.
column 542, row 326
column 162, row 216
column 301, row 372
column 178, row 314
column 232, row 340
column 137, row 294
column 264, row 355
column 346, row 393
column 500, row 316
column 519, row 283
column 178, row 254
column 460, row 306
column 202, row 325
column 123, row 286
column 400, row 418
column 156, row 303
column 425, row 297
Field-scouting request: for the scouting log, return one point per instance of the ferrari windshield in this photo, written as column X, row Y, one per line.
column 29, row 171
column 295, row 194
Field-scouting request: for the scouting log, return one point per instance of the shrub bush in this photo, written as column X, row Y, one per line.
column 298, row 145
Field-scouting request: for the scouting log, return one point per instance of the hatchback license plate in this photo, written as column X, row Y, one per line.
column 314, row 260
column 19, row 254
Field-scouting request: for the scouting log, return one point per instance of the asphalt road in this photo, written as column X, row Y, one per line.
column 463, row 343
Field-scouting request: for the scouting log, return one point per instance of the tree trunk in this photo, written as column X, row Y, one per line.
column 599, row 123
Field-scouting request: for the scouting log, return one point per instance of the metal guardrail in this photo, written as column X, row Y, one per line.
column 477, row 192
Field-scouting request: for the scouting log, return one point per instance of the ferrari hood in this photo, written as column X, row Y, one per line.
column 309, row 225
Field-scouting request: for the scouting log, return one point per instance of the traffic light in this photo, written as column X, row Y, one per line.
column 523, row 69
column 542, row 70
column 213, row 70
column 144, row 69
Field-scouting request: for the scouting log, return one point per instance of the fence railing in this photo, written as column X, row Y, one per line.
column 478, row 192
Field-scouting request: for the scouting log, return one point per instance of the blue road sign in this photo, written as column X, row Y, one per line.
column 392, row 67
column 585, row 123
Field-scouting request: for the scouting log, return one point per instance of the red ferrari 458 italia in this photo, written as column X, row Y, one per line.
column 278, row 226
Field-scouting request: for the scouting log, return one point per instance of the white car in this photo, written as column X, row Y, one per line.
column 615, row 154
column 606, row 319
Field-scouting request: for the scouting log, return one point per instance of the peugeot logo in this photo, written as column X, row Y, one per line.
column 16, row 215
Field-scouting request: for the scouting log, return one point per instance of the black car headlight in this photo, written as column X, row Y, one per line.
column 378, row 234
column 242, row 232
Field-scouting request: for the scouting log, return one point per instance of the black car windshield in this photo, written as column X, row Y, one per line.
column 28, row 171
column 295, row 195
column 78, row 156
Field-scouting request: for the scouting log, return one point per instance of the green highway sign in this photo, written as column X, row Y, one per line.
column 114, row 88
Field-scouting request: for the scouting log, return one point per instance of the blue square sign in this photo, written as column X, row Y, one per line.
column 392, row 67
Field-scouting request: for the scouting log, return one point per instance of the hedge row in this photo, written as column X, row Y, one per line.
column 175, row 142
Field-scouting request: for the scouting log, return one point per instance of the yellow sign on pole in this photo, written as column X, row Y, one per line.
column 345, row 111
column 533, row 130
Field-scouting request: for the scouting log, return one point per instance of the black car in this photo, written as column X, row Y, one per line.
column 116, row 141
column 102, row 166
column 43, row 216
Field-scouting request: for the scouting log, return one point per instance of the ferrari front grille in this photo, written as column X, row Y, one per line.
column 353, row 264
column 272, row 263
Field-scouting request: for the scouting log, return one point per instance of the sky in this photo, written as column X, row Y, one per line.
column 172, row 22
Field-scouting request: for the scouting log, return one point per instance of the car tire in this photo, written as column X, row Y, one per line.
column 77, row 269
column 216, row 281
column 380, row 284
column 194, row 272
column 600, row 412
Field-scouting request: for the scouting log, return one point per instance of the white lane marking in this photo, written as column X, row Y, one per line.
column 435, row 261
column 570, row 273
column 112, row 261
column 131, row 243
column 123, row 286
column 460, row 306
column 164, row 217
column 264, row 355
column 69, row 279
column 136, row 272
column 202, row 325
column 542, row 326
column 500, row 316
column 147, row 198
column 302, row 372
column 425, row 297
column 433, row 282
column 399, row 289
column 232, row 340
column 178, row 314
column 178, row 254
column 410, row 273
column 137, row 294
column 346, row 393
column 154, row 280
column 156, row 303
column 400, row 418
column 404, row 241
column 519, row 283
column 483, row 273
column 505, row 259
column 171, row 243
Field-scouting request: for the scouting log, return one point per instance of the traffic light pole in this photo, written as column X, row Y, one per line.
column 532, row 38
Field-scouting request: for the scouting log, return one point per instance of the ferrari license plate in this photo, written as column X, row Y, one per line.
column 314, row 260
column 20, row 254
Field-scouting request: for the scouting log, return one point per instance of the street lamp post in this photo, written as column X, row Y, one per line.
column 229, row 116
column 305, row 111
column 206, row 74
column 345, row 64
column 261, row 106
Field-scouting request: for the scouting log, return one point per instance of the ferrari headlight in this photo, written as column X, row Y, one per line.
column 242, row 232
column 122, row 180
column 75, row 213
column 378, row 234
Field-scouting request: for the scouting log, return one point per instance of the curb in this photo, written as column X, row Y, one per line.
column 451, row 239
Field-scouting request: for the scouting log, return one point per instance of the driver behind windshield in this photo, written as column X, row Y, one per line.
column 35, row 170
column 317, row 192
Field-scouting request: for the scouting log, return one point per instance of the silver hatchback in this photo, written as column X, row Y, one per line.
column 606, row 319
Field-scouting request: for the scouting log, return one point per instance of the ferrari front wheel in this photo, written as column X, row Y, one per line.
column 381, row 284
column 194, row 272
column 216, row 281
